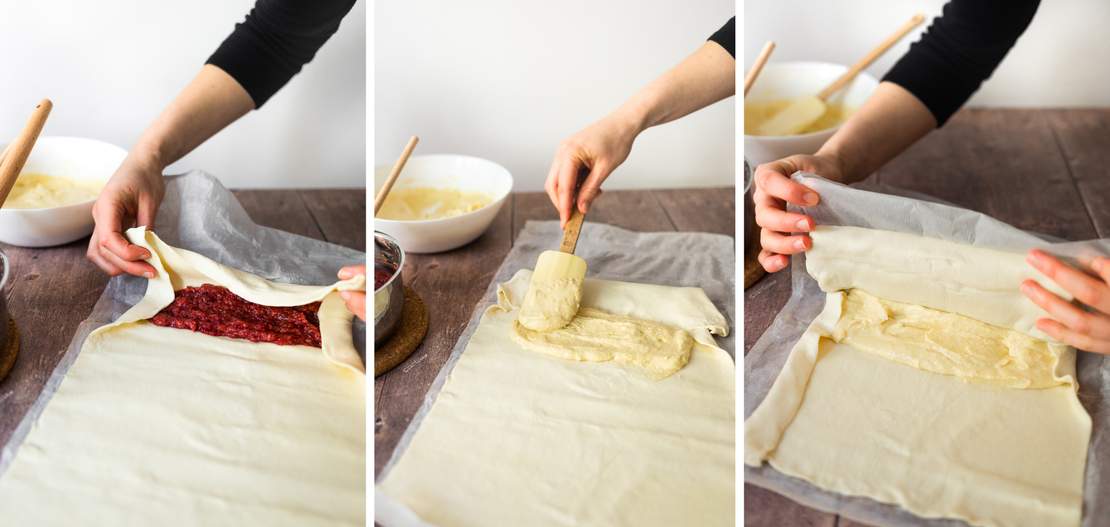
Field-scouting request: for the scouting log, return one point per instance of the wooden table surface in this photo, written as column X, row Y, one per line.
column 52, row 290
column 452, row 283
column 1041, row 170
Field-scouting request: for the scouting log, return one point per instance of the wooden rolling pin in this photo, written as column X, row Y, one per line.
column 15, row 156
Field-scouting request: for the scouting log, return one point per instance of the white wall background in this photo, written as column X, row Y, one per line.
column 508, row 80
column 1062, row 60
column 110, row 66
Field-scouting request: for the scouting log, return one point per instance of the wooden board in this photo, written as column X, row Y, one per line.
column 1042, row 170
column 53, row 289
column 452, row 283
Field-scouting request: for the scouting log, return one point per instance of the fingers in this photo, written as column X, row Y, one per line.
column 148, row 210
column 772, row 262
column 591, row 188
column 356, row 302
column 93, row 254
column 1076, row 320
column 565, row 188
column 779, row 220
column 1075, row 339
column 777, row 242
column 771, row 178
column 352, row 271
column 551, row 184
column 1084, row 288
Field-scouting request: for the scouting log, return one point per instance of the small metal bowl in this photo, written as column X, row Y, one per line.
column 389, row 299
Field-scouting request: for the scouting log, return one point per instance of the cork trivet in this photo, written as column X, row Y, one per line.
column 11, row 349
column 752, row 270
column 410, row 332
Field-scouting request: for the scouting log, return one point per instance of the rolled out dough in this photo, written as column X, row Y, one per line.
column 943, row 437
column 521, row 438
column 161, row 426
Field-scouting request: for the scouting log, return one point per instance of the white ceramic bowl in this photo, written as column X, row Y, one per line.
column 72, row 157
column 789, row 80
column 465, row 173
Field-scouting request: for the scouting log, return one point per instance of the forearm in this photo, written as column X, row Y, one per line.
column 705, row 77
column 889, row 122
column 211, row 101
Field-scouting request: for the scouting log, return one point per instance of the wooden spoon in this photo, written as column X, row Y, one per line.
column 394, row 173
column 15, row 155
column 760, row 61
column 805, row 111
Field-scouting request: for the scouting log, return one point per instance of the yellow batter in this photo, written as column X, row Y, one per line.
column 40, row 191
column 550, row 304
column 945, row 343
column 427, row 203
column 596, row 336
column 757, row 113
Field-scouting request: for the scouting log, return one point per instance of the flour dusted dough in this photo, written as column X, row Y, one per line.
column 162, row 426
column 520, row 438
column 856, row 423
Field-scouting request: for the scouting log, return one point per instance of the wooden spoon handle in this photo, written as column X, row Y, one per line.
column 17, row 152
column 571, row 231
column 395, row 173
column 870, row 57
column 760, row 61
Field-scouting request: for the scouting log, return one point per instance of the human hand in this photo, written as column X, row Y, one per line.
column 356, row 300
column 773, row 190
column 1086, row 330
column 130, row 198
column 599, row 148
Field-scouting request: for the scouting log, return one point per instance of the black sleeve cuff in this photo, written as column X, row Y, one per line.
column 726, row 37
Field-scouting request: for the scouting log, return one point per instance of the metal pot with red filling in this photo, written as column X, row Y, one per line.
column 389, row 295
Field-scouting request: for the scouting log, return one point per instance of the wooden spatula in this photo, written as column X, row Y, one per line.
column 17, row 152
column 757, row 67
column 395, row 173
column 805, row 111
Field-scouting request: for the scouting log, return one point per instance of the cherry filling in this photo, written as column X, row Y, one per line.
column 216, row 311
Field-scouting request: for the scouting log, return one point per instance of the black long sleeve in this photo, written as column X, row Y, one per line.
column 726, row 37
column 959, row 50
column 273, row 43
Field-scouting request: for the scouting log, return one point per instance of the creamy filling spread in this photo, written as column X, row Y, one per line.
column 550, row 304
column 596, row 336
column 945, row 343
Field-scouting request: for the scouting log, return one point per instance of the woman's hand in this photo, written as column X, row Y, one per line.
column 599, row 149
column 356, row 300
column 783, row 233
column 130, row 198
column 1087, row 330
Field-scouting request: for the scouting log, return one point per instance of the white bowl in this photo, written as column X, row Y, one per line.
column 465, row 173
column 73, row 157
column 790, row 80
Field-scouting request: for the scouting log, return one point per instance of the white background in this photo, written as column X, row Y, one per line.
column 1062, row 60
column 507, row 80
column 110, row 66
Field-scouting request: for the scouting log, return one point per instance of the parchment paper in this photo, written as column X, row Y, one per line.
column 200, row 215
column 675, row 259
column 842, row 205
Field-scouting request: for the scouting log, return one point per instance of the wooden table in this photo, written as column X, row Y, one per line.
column 452, row 283
column 52, row 290
column 1041, row 170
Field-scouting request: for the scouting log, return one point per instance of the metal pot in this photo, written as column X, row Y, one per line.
column 751, row 230
column 389, row 298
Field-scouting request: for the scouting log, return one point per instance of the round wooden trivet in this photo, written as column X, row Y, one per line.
column 11, row 349
column 752, row 270
column 410, row 332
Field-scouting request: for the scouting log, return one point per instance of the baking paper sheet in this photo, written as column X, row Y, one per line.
column 674, row 259
column 200, row 215
column 842, row 205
